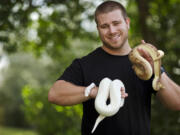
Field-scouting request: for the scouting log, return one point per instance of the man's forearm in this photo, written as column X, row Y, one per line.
column 65, row 93
column 170, row 94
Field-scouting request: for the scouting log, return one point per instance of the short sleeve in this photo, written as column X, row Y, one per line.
column 73, row 73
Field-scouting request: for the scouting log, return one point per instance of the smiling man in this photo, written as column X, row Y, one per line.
column 113, row 30
column 111, row 60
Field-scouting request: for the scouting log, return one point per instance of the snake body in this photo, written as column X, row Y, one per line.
column 111, row 89
column 143, row 68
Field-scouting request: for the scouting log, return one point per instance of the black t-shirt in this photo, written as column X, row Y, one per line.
column 134, row 117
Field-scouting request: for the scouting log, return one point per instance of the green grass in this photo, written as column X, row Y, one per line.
column 15, row 131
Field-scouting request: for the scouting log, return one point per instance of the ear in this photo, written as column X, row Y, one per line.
column 128, row 22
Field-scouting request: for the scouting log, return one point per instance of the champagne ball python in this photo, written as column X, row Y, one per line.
column 143, row 68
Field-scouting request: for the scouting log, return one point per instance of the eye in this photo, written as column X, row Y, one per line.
column 115, row 23
column 104, row 26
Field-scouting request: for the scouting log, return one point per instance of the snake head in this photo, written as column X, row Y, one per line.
column 157, row 84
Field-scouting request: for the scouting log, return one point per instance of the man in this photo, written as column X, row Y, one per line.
column 111, row 60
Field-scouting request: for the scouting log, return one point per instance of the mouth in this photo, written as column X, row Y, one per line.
column 114, row 38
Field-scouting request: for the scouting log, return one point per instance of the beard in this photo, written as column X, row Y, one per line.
column 111, row 47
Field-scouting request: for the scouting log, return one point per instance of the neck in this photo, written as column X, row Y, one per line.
column 123, row 50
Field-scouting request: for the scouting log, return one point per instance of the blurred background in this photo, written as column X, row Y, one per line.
column 40, row 38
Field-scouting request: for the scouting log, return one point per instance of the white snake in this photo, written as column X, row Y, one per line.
column 143, row 68
column 111, row 89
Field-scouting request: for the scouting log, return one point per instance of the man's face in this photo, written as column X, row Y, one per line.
column 113, row 29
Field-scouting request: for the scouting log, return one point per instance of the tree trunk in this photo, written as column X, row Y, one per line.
column 143, row 8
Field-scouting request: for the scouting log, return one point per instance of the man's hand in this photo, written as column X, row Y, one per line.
column 123, row 93
column 146, row 55
column 94, row 92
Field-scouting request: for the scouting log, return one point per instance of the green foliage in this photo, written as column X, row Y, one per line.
column 135, row 35
column 15, row 131
column 10, row 99
column 164, row 121
column 25, row 70
column 43, row 27
column 47, row 118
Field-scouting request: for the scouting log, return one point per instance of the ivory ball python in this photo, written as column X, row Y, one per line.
column 143, row 68
column 111, row 89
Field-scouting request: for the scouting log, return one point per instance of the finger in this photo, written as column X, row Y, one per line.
column 123, row 93
column 93, row 92
column 144, row 53
column 143, row 42
column 122, row 89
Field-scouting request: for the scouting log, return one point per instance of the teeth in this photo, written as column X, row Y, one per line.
column 115, row 37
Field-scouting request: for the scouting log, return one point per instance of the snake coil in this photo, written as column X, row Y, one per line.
column 111, row 89
column 143, row 68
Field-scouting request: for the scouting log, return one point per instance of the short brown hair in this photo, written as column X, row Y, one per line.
column 109, row 6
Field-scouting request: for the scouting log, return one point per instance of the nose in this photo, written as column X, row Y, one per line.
column 112, row 29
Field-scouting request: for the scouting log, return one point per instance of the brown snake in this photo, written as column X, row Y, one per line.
column 143, row 68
